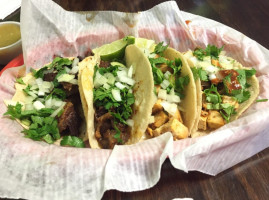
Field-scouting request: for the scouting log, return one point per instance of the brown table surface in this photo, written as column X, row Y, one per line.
column 248, row 179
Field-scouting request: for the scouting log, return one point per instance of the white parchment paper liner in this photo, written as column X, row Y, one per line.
column 35, row 170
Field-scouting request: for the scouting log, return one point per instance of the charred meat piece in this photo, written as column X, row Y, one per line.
column 69, row 121
column 100, row 111
column 69, row 88
column 49, row 76
column 104, row 64
column 105, row 132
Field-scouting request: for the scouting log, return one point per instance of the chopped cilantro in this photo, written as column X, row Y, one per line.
column 27, row 89
column 181, row 82
column 199, row 73
column 210, row 50
column 227, row 111
column 176, row 65
column 20, row 81
column 72, row 141
column 118, row 133
column 212, row 95
column 39, row 121
column 14, row 111
column 261, row 100
column 160, row 48
column 241, row 95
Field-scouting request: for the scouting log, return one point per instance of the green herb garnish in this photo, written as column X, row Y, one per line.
column 72, row 141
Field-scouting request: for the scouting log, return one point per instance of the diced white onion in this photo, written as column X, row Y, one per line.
column 130, row 72
column 126, row 79
column 57, row 103
column 29, row 106
column 48, row 103
column 38, row 105
column 31, row 93
column 47, row 85
column 67, row 70
column 122, row 73
column 34, row 87
column 120, row 85
column 74, row 70
column 28, row 99
column 58, row 110
column 165, row 84
column 130, row 122
column 173, row 98
column 101, row 80
column 151, row 119
column 162, row 94
column 39, row 81
column 212, row 76
column 110, row 78
column 74, row 81
column 65, row 77
column 106, row 86
column 171, row 108
column 116, row 94
column 41, row 92
column 75, row 62
column 167, row 74
column 211, row 69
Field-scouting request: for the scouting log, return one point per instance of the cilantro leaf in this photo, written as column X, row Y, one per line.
column 212, row 95
column 199, row 73
column 118, row 134
column 261, row 100
column 160, row 48
column 210, row 50
column 181, row 82
column 20, row 81
column 72, row 141
column 14, row 111
column 241, row 95
column 227, row 111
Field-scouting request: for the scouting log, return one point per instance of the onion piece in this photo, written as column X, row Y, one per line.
column 120, row 85
column 48, row 103
column 167, row 74
column 58, row 110
column 116, row 94
column 106, row 86
column 171, row 108
column 38, row 105
column 66, row 77
column 162, row 94
column 110, row 78
column 173, row 98
column 75, row 62
column 67, row 69
column 101, row 80
column 165, row 84
column 130, row 122
column 29, row 106
column 74, row 81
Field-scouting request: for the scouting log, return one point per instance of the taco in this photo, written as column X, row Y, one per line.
column 47, row 104
column 175, row 93
column 225, row 88
column 119, row 98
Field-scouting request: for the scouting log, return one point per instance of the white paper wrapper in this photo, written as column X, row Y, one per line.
column 35, row 170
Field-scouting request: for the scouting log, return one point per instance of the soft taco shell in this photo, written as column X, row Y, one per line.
column 143, row 93
column 253, row 89
column 21, row 97
column 188, row 105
